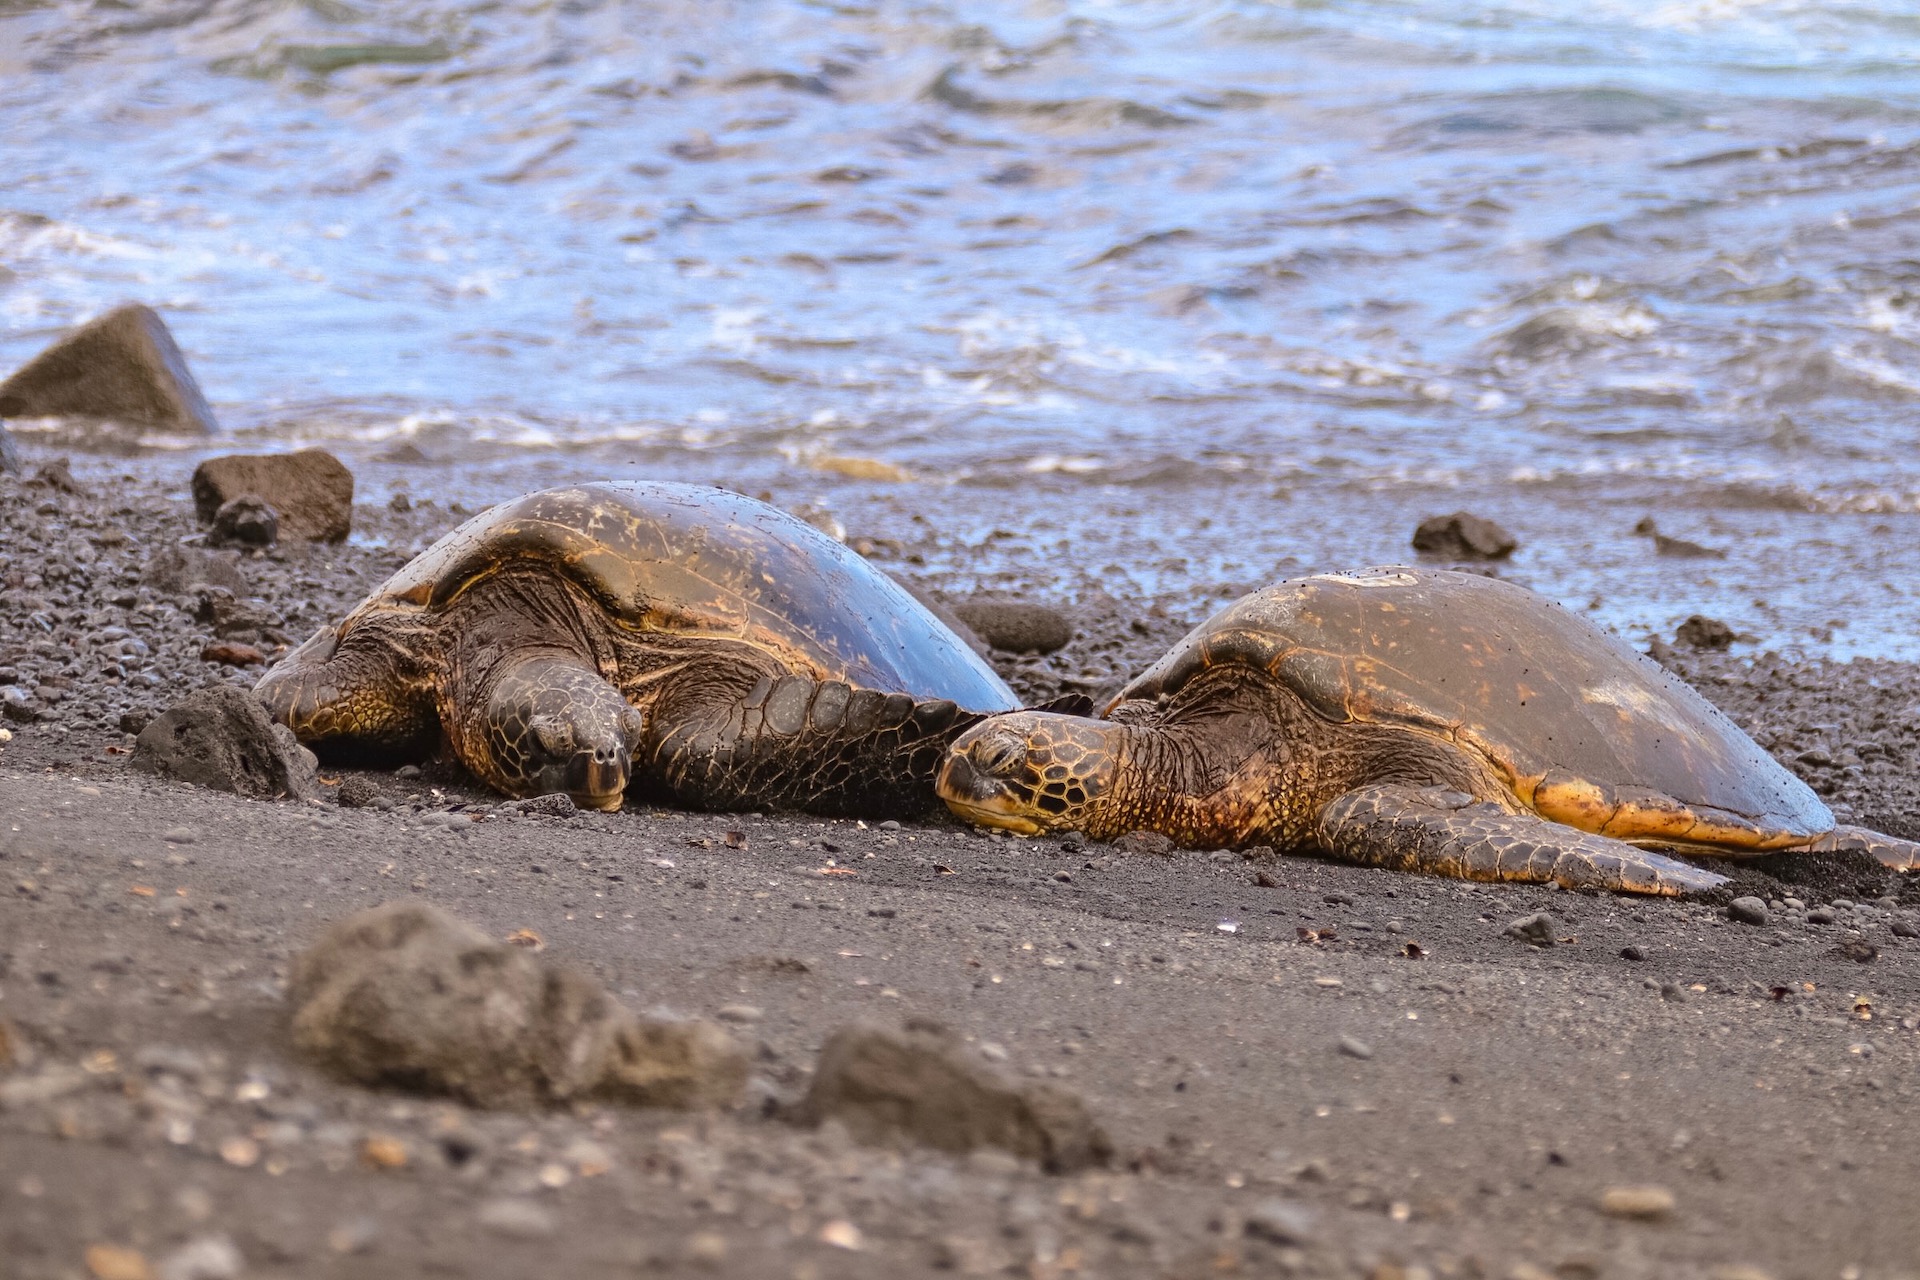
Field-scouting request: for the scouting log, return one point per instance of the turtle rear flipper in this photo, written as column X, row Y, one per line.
column 1447, row 833
column 819, row 746
column 1891, row 851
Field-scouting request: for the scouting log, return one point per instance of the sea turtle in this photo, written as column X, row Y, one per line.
column 712, row 649
column 1410, row 718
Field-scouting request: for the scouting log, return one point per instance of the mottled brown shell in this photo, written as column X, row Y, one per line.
column 683, row 559
column 1585, row 730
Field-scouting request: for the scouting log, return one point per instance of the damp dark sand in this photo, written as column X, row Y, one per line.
column 1463, row 1111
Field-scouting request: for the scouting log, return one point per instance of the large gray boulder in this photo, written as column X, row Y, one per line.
column 922, row 1086
column 406, row 996
column 310, row 492
column 220, row 737
column 123, row 367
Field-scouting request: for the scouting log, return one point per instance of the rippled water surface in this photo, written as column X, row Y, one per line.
column 1200, row 292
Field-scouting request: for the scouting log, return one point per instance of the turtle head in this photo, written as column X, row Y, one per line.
column 558, row 726
column 1033, row 771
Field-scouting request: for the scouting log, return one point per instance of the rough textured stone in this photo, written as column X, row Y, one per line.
column 1536, row 929
column 220, row 737
column 246, row 521
column 123, row 367
column 1747, row 910
column 921, row 1086
column 9, row 453
column 311, row 491
column 176, row 570
column 1016, row 626
column 1699, row 632
column 406, row 996
column 1463, row 536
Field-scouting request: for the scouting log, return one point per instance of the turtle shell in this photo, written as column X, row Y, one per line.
column 1584, row 730
column 674, row 558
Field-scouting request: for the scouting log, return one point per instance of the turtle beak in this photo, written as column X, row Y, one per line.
column 980, row 798
column 598, row 779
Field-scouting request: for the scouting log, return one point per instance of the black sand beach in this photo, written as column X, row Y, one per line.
column 1305, row 1069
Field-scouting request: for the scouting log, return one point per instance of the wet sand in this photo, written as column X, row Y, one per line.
column 1333, row 1106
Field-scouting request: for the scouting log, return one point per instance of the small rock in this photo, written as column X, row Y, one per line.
column 231, row 654
column 219, row 737
column 842, row 1234
column 1282, row 1222
column 1673, row 993
column 208, row 1258
column 57, row 476
column 405, row 995
column 134, row 720
column 1737, row 1272
column 706, row 1249
column 1136, row 842
column 111, row 1262
column 1699, row 632
column 383, row 1151
column 179, row 835
column 516, row 1219
column 1905, row 929
column 1463, row 536
column 555, row 804
column 1353, row 1048
column 1822, row 915
column 9, row 453
column 246, row 521
column 740, row 1014
column 1633, row 953
column 1535, row 930
column 921, row 1086
column 1641, row 1203
column 1748, row 911
column 177, row 570
column 123, row 367
column 357, row 791
column 1857, row 950
column 311, row 491
column 1682, row 549
column 1016, row 626
column 355, row 1235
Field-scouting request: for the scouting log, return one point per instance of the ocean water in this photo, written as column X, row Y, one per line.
column 1174, row 297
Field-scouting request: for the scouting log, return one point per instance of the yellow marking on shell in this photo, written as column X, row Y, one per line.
column 1574, row 801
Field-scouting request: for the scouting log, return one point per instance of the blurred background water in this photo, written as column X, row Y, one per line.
column 1169, row 297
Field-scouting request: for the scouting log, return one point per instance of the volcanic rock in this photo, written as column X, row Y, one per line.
column 921, row 1086
column 311, row 491
column 1016, row 626
column 1463, row 536
column 9, row 453
column 123, row 367
column 176, row 570
column 405, row 995
column 220, row 737
column 1699, row 632
column 246, row 521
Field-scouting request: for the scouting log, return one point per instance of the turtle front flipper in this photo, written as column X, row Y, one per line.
column 1447, row 833
column 362, row 698
column 790, row 742
column 1890, row 851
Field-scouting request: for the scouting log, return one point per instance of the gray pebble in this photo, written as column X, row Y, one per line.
column 1905, row 929
column 1633, row 953
column 1283, row 1222
column 1821, row 915
column 1672, row 993
column 1353, row 1048
column 516, row 1219
column 1748, row 911
column 1536, row 929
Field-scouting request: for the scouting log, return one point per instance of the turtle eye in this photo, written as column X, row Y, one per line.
column 554, row 734
column 996, row 751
